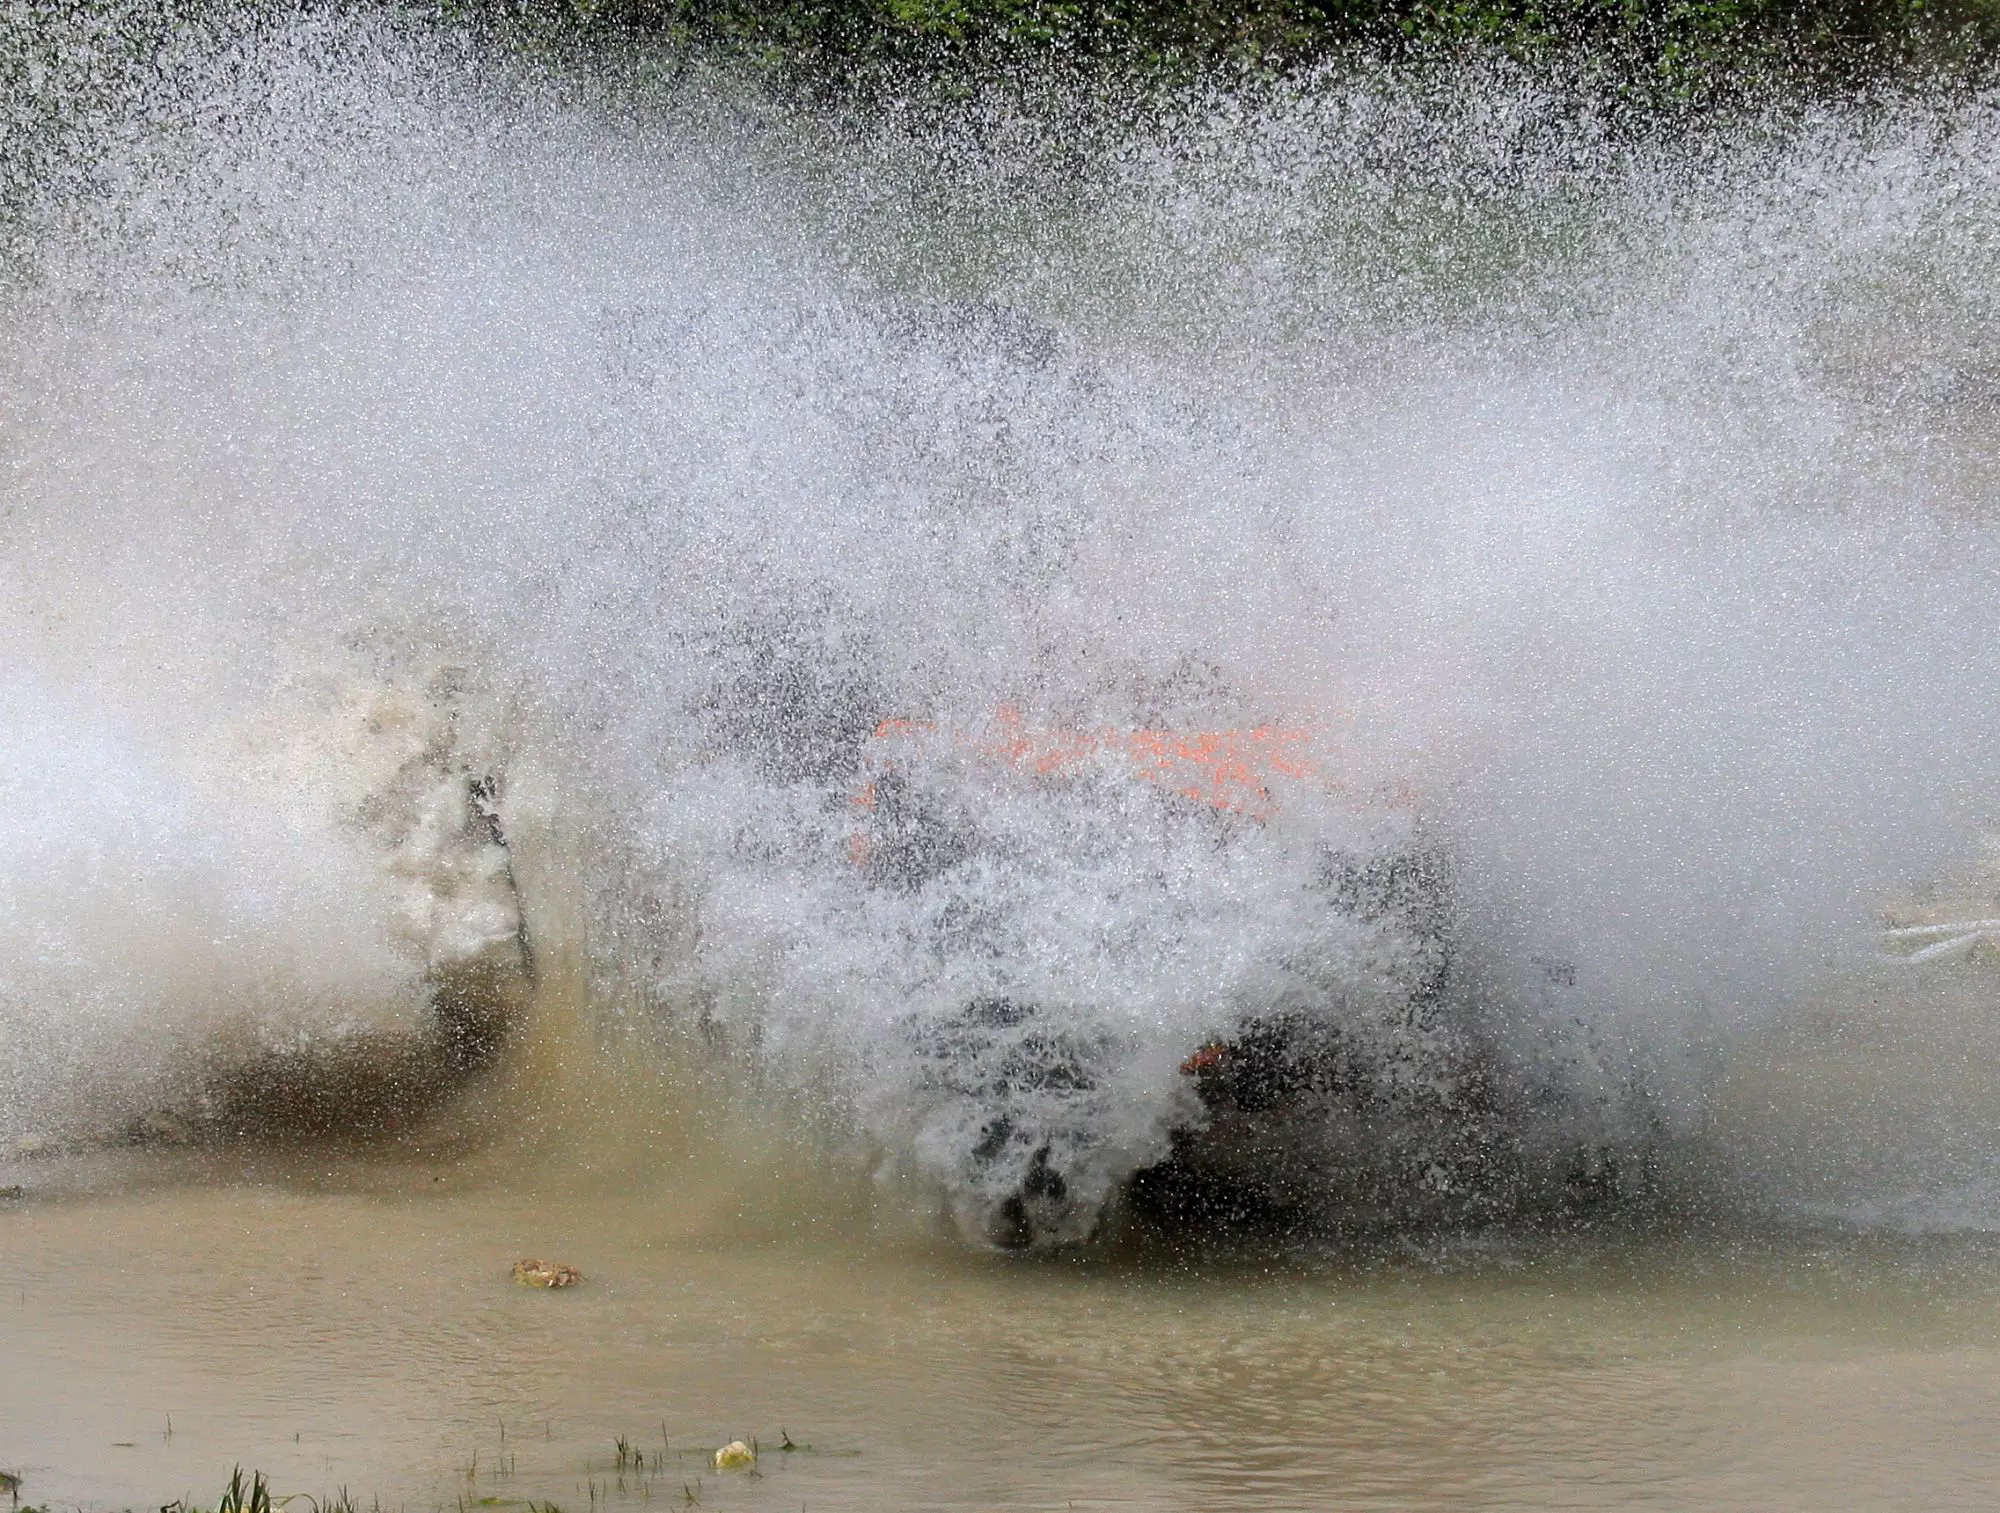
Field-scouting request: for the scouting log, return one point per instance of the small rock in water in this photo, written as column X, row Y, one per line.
column 32, row 1145
column 734, row 1456
column 546, row 1274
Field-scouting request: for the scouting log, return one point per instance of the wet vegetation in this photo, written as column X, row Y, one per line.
column 635, row 1471
column 1670, row 52
column 1680, row 48
column 64, row 62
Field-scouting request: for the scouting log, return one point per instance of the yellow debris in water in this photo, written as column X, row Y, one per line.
column 734, row 1456
column 546, row 1274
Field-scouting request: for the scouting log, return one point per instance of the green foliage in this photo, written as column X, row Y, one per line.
column 253, row 1496
column 1834, row 38
column 1683, row 48
column 237, row 1498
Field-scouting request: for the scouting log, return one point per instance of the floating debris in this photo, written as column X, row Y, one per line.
column 734, row 1456
column 546, row 1274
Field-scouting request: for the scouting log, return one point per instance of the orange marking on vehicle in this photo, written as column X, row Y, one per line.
column 1204, row 1059
column 1229, row 770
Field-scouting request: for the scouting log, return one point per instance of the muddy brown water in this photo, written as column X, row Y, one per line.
column 350, row 1322
column 344, row 1318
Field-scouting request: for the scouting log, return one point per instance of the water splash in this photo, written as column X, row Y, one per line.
column 1615, row 490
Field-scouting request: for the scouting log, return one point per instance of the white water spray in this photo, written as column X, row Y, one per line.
column 1617, row 498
